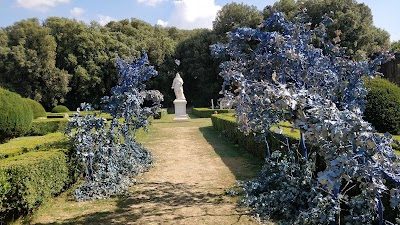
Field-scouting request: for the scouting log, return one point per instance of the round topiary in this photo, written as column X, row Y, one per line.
column 60, row 109
column 383, row 105
column 37, row 108
column 15, row 115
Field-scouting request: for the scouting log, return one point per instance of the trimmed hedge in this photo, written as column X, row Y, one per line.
column 60, row 109
column 43, row 127
column 15, row 115
column 37, row 108
column 383, row 105
column 21, row 145
column 206, row 112
column 28, row 180
column 226, row 124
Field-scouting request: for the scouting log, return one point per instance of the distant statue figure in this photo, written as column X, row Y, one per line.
column 177, row 85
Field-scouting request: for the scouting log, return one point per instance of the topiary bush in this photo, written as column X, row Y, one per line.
column 60, row 109
column 15, row 115
column 37, row 108
column 383, row 105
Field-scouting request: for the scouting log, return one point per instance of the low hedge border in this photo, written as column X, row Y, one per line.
column 227, row 125
column 41, row 127
column 28, row 180
column 21, row 145
column 206, row 112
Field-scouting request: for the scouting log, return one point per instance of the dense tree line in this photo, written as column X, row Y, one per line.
column 66, row 61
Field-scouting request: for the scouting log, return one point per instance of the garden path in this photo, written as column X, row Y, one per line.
column 193, row 168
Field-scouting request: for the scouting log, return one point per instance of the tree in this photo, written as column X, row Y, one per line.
column 352, row 20
column 395, row 46
column 198, row 68
column 4, row 49
column 30, row 68
column 278, row 74
column 234, row 15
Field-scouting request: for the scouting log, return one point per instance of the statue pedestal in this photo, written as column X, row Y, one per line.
column 180, row 110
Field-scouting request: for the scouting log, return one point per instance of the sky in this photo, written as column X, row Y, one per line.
column 183, row 14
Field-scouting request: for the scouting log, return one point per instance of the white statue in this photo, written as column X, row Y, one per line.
column 177, row 85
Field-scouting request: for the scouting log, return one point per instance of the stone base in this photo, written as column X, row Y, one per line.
column 180, row 110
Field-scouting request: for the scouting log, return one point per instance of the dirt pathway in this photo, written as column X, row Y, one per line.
column 194, row 166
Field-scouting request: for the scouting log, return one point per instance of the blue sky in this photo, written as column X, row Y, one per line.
column 184, row 14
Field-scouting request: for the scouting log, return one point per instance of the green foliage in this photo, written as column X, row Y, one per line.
column 227, row 125
column 353, row 21
column 206, row 112
column 21, row 145
column 43, row 127
column 29, row 67
column 383, row 105
column 395, row 46
column 15, row 115
column 198, row 69
column 234, row 15
column 37, row 108
column 30, row 179
column 60, row 109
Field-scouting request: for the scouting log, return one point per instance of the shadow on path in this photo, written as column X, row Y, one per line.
column 160, row 203
column 241, row 163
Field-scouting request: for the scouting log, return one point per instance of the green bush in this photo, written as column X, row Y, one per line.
column 226, row 124
column 60, row 109
column 37, row 108
column 15, row 115
column 206, row 112
column 43, row 127
column 28, row 180
column 383, row 105
column 21, row 145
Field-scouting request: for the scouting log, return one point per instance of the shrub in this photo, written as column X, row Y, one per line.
column 206, row 112
column 15, row 115
column 37, row 108
column 228, row 126
column 60, row 109
column 28, row 180
column 383, row 105
column 43, row 127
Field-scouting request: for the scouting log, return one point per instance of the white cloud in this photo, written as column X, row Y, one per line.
column 150, row 2
column 40, row 5
column 190, row 14
column 77, row 12
column 162, row 23
column 103, row 20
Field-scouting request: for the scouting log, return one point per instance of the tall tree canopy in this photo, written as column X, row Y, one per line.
column 234, row 15
column 199, row 69
column 352, row 21
column 29, row 67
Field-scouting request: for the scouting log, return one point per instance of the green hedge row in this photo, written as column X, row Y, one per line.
column 206, row 112
column 226, row 124
column 30, row 179
column 46, row 126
